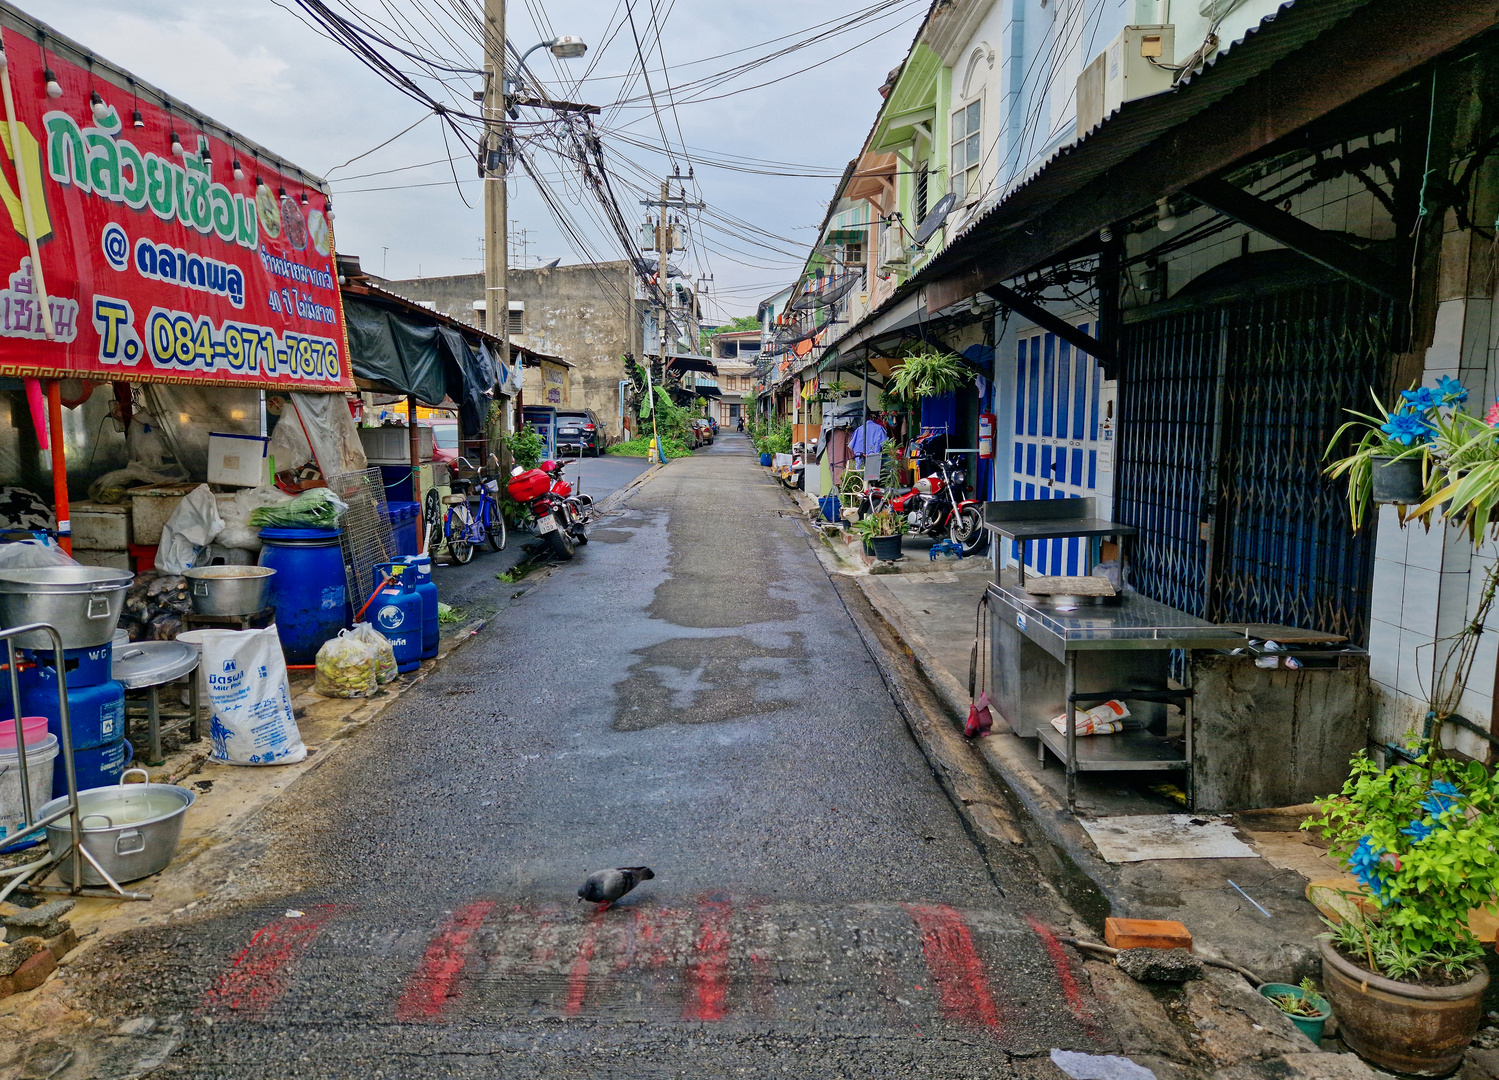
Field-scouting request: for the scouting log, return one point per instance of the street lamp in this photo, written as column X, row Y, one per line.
column 566, row 47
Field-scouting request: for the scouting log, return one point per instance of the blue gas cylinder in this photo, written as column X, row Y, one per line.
column 96, row 713
column 397, row 613
column 428, row 590
column 85, row 667
column 98, row 766
column 309, row 591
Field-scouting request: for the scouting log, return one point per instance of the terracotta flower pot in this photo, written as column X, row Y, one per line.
column 1418, row 1030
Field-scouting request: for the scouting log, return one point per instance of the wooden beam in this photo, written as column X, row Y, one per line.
column 1321, row 247
column 1058, row 326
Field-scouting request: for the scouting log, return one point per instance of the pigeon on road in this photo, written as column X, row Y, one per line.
column 604, row 887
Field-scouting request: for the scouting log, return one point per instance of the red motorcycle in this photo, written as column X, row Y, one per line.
column 561, row 516
column 937, row 505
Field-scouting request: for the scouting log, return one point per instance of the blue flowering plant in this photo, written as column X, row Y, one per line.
column 1393, row 434
column 1421, row 838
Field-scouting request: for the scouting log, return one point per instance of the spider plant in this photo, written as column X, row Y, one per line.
column 926, row 372
column 1464, row 455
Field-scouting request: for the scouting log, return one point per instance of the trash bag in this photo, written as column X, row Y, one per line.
column 30, row 554
column 346, row 667
column 385, row 652
column 315, row 509
column 189, row 530
column 236, row 511
column 253, row 722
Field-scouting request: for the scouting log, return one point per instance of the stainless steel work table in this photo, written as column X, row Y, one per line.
column 1048, row 661
column 1024, row 520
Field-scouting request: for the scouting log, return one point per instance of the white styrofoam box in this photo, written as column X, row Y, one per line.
column 100, row 526
column 236, row 459
column 392, row 445
column 150, row 506
column 115, row 560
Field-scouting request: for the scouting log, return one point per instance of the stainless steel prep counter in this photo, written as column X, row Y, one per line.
column 1049, row 661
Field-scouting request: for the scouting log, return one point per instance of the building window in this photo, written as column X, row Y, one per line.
column 967, row 153
column 517, row 323
column 853, row 255
column 919, row 202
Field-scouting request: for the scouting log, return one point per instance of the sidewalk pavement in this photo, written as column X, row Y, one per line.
column 930, row 607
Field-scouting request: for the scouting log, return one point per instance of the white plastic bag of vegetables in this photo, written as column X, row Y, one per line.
column 345, row 667
column 385, row 652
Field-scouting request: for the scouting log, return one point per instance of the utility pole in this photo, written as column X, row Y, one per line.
column 492, row 161
column 663, row 264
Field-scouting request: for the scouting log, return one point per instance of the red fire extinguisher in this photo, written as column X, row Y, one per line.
column 986, row 435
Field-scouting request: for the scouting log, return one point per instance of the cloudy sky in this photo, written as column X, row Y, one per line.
column 256, row 67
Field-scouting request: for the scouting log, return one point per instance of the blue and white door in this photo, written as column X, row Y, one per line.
column 1060, row 441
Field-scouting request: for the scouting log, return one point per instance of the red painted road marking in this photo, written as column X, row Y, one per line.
column 1064, row 972
column 434, row 982
column 577, row 979
column 962, row 986
column 254, row 980
column 708, row 968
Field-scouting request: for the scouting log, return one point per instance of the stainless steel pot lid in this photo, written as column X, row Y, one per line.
column 151, row 663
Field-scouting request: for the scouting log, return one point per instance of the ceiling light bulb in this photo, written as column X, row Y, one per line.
column 136, row 119
column 1165, row 220
column 101, row 110
column 54, row 88
column 328, row 209
column 281, row 191
column 304, row 198
column 239, row 172
column 260, row 188
column 176, row 144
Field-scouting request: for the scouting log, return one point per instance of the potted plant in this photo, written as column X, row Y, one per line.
column 1389, row 462
column 1463, row 478
column 1403, row 971
column 881, row 533
column 1307, row 1009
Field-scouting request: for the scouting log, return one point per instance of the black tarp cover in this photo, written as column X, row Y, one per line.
column 395, row 349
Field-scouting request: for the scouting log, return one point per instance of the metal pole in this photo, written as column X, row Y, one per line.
column 496, row 251
column 59, row 470
column 414, row 437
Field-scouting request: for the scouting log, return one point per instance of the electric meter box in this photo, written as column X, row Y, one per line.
column 1129, row 68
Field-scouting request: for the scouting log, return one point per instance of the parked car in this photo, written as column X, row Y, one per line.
column 702, row 432
column 444, row 439
column 579, row 430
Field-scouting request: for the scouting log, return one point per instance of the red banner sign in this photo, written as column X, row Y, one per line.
column 167, row 254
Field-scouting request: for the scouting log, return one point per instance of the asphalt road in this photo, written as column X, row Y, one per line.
column 688, row 694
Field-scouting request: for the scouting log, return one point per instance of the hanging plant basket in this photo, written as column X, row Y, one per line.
column 1397, row 480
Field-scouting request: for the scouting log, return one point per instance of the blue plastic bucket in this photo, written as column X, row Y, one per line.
column 765, row 460
column 831, row 508
column 308, row 591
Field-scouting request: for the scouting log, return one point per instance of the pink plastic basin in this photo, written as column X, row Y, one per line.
column 34, row 727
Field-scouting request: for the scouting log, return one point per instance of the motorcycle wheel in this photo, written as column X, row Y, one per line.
column 966, row 529
column 560, row 540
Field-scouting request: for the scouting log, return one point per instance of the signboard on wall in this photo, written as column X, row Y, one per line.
column 166, row 249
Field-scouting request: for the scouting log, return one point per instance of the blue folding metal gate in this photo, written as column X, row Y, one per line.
column 1226, row 412
column 1055, row 444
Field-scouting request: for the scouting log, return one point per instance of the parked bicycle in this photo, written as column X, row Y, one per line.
column 466, row 525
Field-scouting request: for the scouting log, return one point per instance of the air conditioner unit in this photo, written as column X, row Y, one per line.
column 1123, row 72
column 893, row 245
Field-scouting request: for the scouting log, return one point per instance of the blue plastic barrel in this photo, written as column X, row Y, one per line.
column 308, row 591
column 99, row 766
column 428, row 590
column 397, row 613
column 96, row 713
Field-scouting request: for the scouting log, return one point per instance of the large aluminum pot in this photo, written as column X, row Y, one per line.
column 131, row 830
column 83, row 602
column 229, row 590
